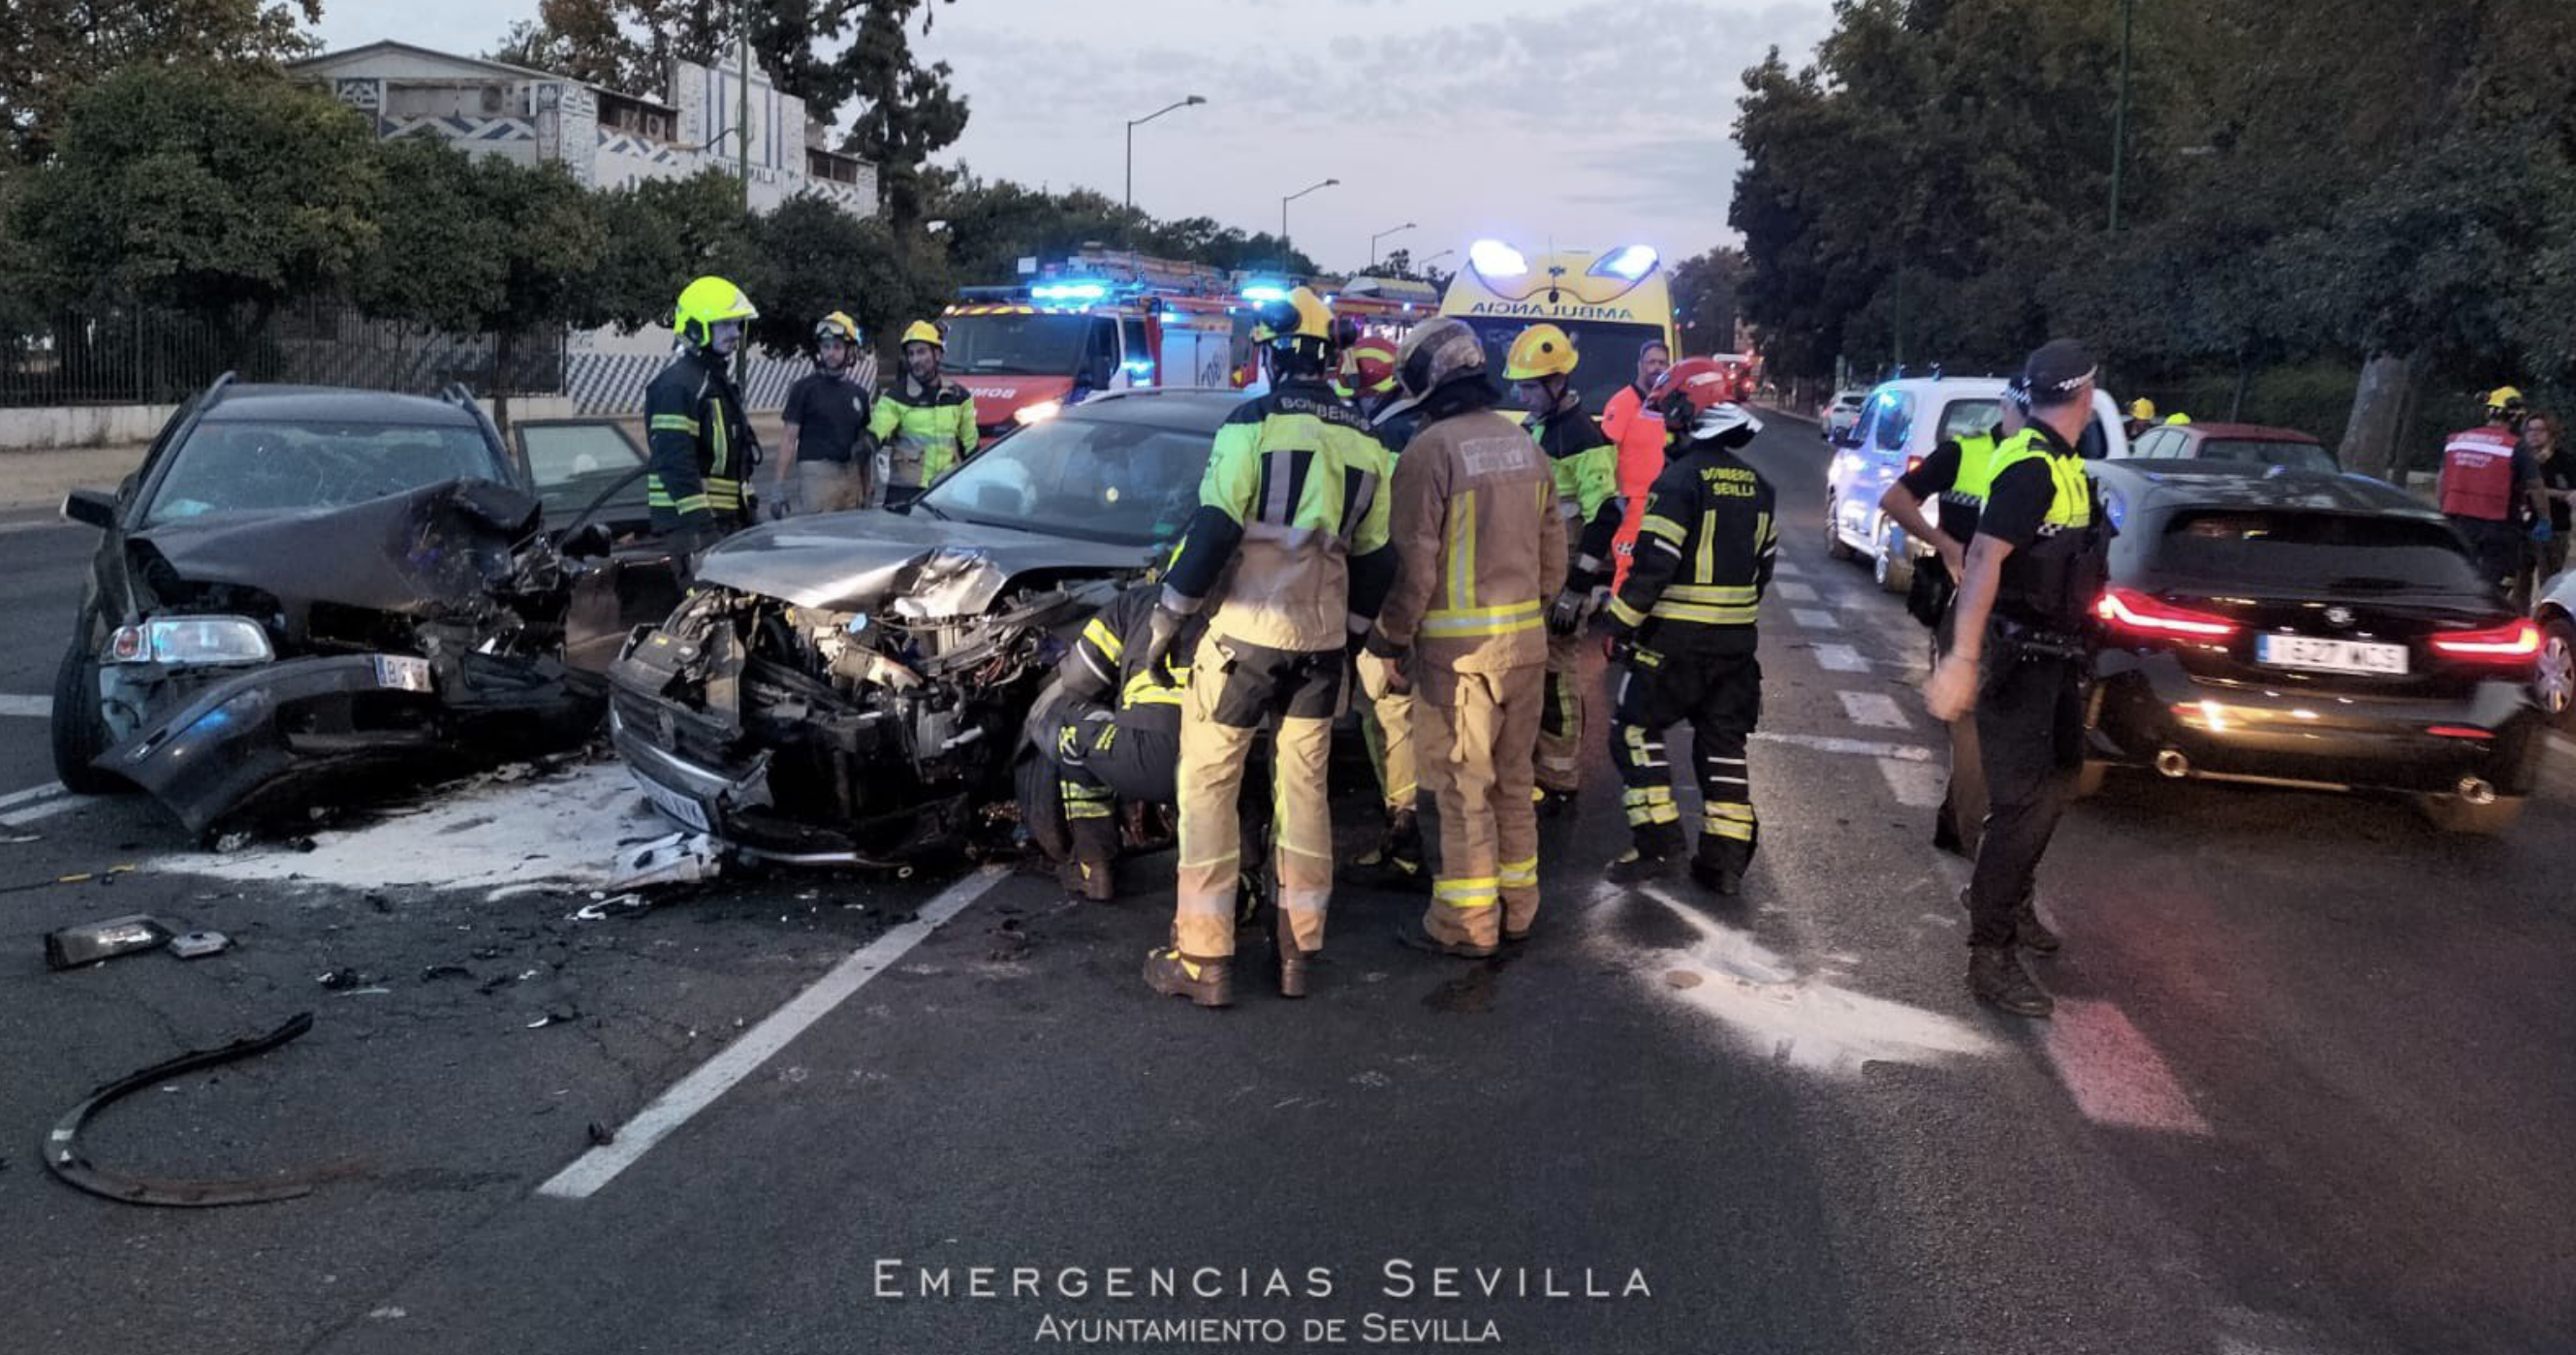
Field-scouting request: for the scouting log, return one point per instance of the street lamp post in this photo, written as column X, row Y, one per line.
column 1377, row 237
column 1191, row 102
column 1283, row 216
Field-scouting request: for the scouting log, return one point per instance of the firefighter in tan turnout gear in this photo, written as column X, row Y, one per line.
column 1287, row 554
column 1480, row 550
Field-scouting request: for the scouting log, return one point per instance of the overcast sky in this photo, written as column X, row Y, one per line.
column 1591, row 125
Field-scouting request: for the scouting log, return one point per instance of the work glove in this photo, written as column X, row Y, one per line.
column 2540, row 531
column 1565, row 617
column 1160, row 630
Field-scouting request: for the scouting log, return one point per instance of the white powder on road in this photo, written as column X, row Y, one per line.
column 499, row 836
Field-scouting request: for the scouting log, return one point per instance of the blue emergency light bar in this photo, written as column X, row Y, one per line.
column 1076, row 292
column 1260, row 292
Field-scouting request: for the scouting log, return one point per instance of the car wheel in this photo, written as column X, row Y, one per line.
column 1894, row 567
column 1835, row 548
column 2554, row 686
column 2088, row 780
column 2452, row 814
column 79, row 735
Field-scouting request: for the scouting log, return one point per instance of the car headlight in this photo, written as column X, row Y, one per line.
column 1040, row 412
column 191, row 640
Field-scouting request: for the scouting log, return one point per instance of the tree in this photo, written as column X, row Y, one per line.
column 1704, row 299
column 812, row 258
column 663, row 232
column 51, row 51
column 181, row 187
column 910, row 113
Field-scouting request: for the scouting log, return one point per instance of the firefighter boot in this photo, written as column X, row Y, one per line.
column 1719, row 868
column 1649, row 857
column 1207, row 982
column 1996, row 978
column 1293, row 963
column 1089, row 879
column 1396, row 861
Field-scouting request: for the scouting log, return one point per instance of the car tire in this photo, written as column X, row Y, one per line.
column 2451, row 814
column 2089, row 779
column 1835, row 547
column 79, row 735
column 1894, row 565
column 2554, row 686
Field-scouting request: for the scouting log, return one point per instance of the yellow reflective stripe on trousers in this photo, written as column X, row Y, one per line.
column 1478, row 892
column 1520, row 874
column 1462, row 554
column 1452, row 624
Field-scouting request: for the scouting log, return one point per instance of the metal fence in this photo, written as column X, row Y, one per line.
column 145, row 356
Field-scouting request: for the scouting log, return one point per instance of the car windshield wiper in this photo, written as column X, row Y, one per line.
column 925, row 505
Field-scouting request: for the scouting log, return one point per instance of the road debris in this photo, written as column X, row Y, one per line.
column 342, row 980
column 603, row 907
column 681, row 858
column 75, row 946
column 63, row 1155
column 198, row 945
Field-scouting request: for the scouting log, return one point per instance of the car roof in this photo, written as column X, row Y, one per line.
column 2250, row 432
column 1190, row 407
column 239, row 403
column 1947, row 385
column 2230, row 484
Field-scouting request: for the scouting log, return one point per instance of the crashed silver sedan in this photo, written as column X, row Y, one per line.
column 850, row 688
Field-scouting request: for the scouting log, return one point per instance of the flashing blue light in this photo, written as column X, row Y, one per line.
column 1261, row 292
column 1495, row 259
column 1632, row 263
column 1140, row 366
column 1069, row 291
column 1331, row 297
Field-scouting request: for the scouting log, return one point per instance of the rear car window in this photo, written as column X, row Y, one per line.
column 1962, row 418
column 2267, row 452
column 2314, row 551
column 1895, row 419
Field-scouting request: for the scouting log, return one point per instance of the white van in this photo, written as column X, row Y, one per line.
column 1900, row 424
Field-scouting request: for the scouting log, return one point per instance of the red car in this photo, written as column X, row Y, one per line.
column 2242, row 443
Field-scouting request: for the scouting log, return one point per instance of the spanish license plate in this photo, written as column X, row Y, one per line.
column 2329, row 656
column 673, row 803
column 402, row 673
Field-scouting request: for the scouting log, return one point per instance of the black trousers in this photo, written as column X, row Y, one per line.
column 1720, row 696
column 1103, row 756
column 2030, row 735
column 1963, row 802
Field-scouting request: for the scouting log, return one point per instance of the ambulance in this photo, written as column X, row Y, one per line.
column 1609, row 303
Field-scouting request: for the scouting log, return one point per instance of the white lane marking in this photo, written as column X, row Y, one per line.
column 1856, row 747
column 712, row 1079
column 1815, row 618
column 42, row 809
column 1873, row 710
column 46, row 791
column 1918, row 785
column 2114, row 1074
column 1804, row 1020
column 1787, row 569
column 1793, row 591
column 32, row 707
column 1840, row 659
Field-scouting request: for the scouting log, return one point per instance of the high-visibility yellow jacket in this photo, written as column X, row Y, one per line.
column 925, row 433
column 701, row 446
column 1289, row 539
column 1585, row 464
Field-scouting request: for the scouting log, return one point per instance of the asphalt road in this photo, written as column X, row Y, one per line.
column 2309, row 1089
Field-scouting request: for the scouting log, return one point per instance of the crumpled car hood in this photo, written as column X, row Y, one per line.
column 918, row 565
column 430, row 551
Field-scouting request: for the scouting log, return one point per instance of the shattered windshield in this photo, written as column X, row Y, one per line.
column 1092, row 479
column 282, row 467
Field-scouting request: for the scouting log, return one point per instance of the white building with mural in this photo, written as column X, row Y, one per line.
column 608, row 139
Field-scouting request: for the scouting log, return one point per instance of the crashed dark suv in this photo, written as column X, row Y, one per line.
column 850, row 688
column 304, row 583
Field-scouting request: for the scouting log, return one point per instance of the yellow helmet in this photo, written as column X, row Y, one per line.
column 2504, row 398
column 837, row 325
column 2178, row 419
column 1301, row 315
column 1540, row 350
column 706, row 303
column 2143, row 410
column 922, row 331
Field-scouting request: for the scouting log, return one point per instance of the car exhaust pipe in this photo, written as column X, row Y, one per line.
column 2476, row 791
column 2172, row 765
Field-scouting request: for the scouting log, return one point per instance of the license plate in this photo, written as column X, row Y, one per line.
column 2329, row 656
column 402, row 673
column 678, row 806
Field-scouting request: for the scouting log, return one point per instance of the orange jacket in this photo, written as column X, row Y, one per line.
column 1640, row 435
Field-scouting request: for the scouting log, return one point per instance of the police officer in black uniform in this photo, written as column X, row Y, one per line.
column 1684, row 624
column 2018, row 659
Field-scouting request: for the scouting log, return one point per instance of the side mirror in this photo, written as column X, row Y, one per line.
column 94, row 507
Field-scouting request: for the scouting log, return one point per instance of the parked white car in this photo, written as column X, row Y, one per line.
column 1898, row 425
column 1841, row 411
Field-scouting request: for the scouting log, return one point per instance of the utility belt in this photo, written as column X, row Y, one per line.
column 2021, row 642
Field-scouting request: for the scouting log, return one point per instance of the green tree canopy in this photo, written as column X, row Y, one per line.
column 51, row 51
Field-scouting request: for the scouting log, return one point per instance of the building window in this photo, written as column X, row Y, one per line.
column 634, row 117
column 831, row 168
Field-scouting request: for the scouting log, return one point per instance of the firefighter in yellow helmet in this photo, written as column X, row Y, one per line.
column 1585, row 465
column 702, row 448
column 2142, row 416
column 827, row 455
column 1481, row 550
column 924, row 422
column 1287, row 557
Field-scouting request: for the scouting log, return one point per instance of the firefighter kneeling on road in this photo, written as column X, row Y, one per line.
column 1585, row 464
column 702, row 445
column 1684, row 624
column 1480, row 551
column 1289, row 543
column 924, row 422
column 1112, row 735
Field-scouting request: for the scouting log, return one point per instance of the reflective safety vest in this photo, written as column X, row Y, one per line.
column 1965, row 500
column 2053, row 581
column 701, row 447
column 1585, row 466
column 2477, row 474
column 924, row 435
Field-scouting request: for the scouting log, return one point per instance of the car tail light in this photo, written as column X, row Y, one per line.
column 2517, row 641
column 2459, row 732
column 1913, row 464
column 2127, row 609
